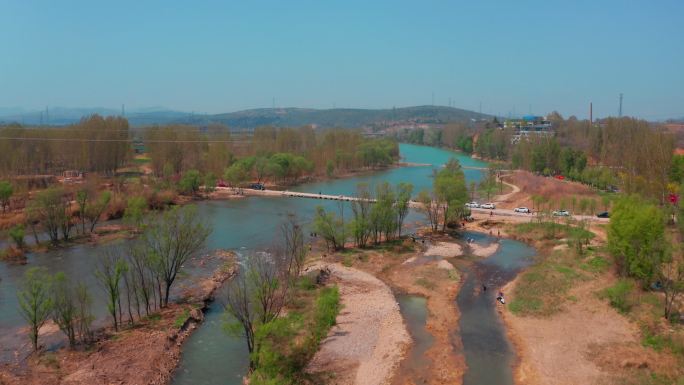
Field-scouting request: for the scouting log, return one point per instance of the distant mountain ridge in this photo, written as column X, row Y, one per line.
column 336, row 117
column 249, row 119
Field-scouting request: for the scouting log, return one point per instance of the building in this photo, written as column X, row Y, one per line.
column 528, row 126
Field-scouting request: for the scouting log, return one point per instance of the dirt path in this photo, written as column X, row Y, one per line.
column 586, row 343
column 506, row 198
column 370, row 337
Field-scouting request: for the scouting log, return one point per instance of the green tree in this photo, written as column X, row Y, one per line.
column 190, row 182
column 135, row 211
column 6, row 192
column 95, row 209
column 17, row 234
column 450, row 190
column 209, row 182
column 330, row 227
column 636, row 238
column 404, row 191
column 35, row 300
column 235, row 175
column 52, row 209
column 64, row 306
column 361, row 209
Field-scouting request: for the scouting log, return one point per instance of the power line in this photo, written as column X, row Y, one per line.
column 117, row 140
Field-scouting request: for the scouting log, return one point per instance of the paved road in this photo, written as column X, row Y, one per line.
column 478, row 213
column 510, row 213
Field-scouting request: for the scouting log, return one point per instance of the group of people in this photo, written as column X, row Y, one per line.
column 499, row 296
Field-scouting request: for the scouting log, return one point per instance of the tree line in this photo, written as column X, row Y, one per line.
column 277, row 153
column 379, row 216
column 95, row 144
column 633, row 154
column 135, row 280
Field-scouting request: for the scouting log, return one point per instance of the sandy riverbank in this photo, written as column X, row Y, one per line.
column 370, row 338
column 146, row 354
column 587, row 343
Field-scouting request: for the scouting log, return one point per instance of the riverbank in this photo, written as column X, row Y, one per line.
column 369, row 339
column 408, row 269
column 563, row 331
column 145, row 353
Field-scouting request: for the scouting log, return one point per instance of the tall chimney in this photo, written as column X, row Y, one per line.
column 591, row 113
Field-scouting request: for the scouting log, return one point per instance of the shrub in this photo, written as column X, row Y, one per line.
column 17, row 234
column 135, row 211
column 618, row 295
column 282, row 356
column 596, row 265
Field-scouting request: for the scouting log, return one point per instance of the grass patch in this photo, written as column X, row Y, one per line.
column 550, row 230
column 49, row 359
column 180, row 320
column 619, row 295
column 596, row 264
column 542, row 289
column 425, row 283
column 142, row 160
column 286, row 344
column 348, row 261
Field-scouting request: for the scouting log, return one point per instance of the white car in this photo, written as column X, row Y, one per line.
column 522, row 210
column 473, row 205
column 489, row 206
column 561, row 213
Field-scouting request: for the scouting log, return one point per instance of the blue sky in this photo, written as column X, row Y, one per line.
column 222, row 56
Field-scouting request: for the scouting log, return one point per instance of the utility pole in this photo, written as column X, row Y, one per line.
column 591, row 113
column 620, row 109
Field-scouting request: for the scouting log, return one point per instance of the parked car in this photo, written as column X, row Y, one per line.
column 522, row 210
column 257, row 186
column 561, row 213
column 489, row 206
column 473, row 205
column 604, row 214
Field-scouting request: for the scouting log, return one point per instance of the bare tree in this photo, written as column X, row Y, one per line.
column 431, row 208
column 171, row 241
column 84, row 315
column 256, row 296
column 671, row 276
column 64, row 306
column 109, row 273
column 294, row 250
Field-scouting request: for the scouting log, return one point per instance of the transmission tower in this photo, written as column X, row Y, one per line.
column 620, row 109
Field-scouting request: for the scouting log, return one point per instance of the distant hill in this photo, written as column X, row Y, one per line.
column 337, row 117
column 249, row 119
column 59, row 116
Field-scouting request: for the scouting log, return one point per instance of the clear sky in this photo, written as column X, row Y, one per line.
column 222, row 56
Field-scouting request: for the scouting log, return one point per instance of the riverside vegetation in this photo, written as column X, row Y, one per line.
column 181, row 163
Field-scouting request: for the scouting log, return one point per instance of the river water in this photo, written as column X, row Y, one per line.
column 209, row 355
column 488, row 353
